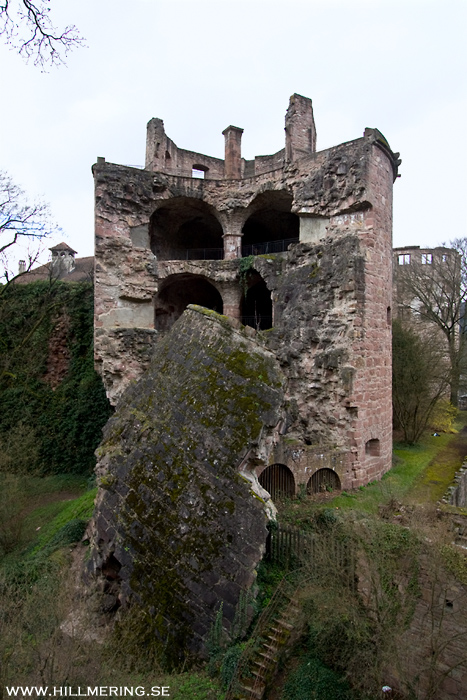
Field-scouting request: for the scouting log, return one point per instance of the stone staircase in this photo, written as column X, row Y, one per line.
column 258, row 663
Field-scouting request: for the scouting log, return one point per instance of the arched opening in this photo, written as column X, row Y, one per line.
column 323, row 480
column 372, row 448
column 278, row 480
column 180, row 290
column 271, row 226
column 186, row 229
column 257, row 304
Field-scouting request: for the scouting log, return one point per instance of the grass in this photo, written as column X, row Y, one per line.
column 421, row 474
column 78, row 509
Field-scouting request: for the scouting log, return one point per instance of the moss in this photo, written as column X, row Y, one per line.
column 314, row 271
column 210, row 313
column 455, row 561
column 107, row 481
column 204, row 401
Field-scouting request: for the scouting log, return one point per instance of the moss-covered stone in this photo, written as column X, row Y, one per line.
column 179, row 519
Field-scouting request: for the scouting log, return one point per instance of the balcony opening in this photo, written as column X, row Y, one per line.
column 271, row 226
column 184, row 228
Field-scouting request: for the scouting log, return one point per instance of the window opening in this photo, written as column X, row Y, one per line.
column 404, row 259
column 372, row 448
column 427, row 258
column 199, row 171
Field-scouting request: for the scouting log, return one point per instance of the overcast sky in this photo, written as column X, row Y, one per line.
column 200, row 65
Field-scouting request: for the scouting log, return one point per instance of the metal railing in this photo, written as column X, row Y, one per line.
column 194, row 254
column 218, row 253
column 279, row 606
column 268, row 247
column 259, row 323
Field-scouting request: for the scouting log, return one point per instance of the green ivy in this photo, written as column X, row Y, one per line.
column 245, row 267
column 67, row 420
column 314, row 681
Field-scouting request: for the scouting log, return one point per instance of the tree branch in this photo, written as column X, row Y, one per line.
column 27, row 27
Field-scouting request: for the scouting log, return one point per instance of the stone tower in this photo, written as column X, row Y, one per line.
column 296, row 245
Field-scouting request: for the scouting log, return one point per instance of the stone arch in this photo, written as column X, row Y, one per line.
column 184, row 228
column 278, row 480
column 323, row 480
column 257, row 303
column 270, row 225
column 177, row 291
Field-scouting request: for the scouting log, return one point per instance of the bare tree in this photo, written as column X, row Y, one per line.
column 420, row 379
column 433, row 287
column 21, row 222
column 27, row 27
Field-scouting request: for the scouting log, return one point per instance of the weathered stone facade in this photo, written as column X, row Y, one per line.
column 319, row 228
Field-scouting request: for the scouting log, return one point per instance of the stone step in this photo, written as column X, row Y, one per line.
column 285, row 624
column 252, row 691
column 261, row 664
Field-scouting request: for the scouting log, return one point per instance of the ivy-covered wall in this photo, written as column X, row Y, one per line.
column 52, row 402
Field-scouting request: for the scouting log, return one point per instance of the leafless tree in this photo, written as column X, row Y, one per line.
column 21, row 222
column 433, row 287
column 27, row 27
column 420, row 378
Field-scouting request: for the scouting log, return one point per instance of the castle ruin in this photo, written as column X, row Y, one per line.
column 243, row 329
column 298, row 242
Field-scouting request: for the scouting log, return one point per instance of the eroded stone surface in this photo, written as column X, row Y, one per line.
column 177, row 529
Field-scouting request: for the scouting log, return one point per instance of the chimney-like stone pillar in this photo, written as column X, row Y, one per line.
column 300, row 130
column 233, row 153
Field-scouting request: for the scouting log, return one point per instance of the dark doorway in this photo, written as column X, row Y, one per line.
column 257, row 304
column 179, row 291
column 186, row 229
column 278, row 480
column 323, row 480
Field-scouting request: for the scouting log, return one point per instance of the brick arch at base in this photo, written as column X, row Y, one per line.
column 278, row 480
column 177, row 291
column 323, row 480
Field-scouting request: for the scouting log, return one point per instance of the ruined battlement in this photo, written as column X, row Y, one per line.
column 164, row 156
